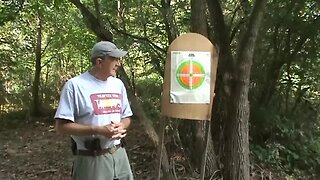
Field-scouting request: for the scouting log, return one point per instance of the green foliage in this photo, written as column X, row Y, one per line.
column 63, row 53
column 148, row 89
column 9, row 10
column 284, row 126
column 287, row 141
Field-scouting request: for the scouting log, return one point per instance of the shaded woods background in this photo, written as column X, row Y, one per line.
column 266, row 114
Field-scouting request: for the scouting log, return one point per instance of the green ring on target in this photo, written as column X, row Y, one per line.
column 184, row 65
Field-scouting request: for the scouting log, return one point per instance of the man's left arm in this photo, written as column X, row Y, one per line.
column 121, row 127
column 126, row 111
column 125, row 122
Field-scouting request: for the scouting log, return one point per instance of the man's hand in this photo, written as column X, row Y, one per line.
column 120, row 131
column 113, row 131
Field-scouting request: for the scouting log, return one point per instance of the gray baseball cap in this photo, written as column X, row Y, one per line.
column 106, row 48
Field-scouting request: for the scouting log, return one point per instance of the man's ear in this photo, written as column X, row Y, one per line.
column 98, row 61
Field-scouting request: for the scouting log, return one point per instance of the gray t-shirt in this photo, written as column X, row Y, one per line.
column 87, row 100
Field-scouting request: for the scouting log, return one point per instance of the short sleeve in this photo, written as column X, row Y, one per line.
column 126, row 109
column 66, row 106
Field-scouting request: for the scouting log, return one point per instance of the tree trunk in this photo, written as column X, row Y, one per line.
column 168, row 19
column 274, row 69
column 36, row 82
column 237, row 145
column 235, row 86
column 223, row 81
column 199, row 22
column 195, row 141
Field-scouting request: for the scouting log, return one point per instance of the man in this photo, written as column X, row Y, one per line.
column 95, row 111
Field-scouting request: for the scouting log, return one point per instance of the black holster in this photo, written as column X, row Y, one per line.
column 123, row 142
column 73, row 147
column 92, row 144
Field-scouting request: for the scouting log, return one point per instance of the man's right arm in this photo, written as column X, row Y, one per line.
column 68, row 127
column 64, row 117
column 64, row 126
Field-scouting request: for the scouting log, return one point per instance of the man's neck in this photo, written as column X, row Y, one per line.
column 98, row 74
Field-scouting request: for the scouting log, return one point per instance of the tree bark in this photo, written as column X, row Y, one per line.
column 224, row 79
column 36, row 82
column 199, row 22
column 237, row 145
column 195, row 142
column 235, row 83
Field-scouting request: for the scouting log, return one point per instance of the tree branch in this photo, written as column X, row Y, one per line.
column 218, row 22
column 168, row 19
column 247, row 43
column 156, row 5
column 221, row 33
column 44, row 49
column 226, row 63
column 236, row 28
column 92, row 22
column 47, row 62
column 145, row 39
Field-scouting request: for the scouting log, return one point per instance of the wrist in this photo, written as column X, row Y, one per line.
column 94, row 130
column 125, row 123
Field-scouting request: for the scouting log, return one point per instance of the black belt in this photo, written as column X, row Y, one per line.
column 100, row 152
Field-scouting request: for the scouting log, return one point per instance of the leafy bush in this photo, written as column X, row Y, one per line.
column 148, row 90
column 288, row 142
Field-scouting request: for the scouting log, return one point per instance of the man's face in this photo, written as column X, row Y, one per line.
column 109, row 65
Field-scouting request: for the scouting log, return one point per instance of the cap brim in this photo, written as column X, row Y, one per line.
column 117, row 53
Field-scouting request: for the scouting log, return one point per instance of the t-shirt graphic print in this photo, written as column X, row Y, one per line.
column 106, row 103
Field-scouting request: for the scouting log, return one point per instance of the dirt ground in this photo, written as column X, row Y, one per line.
column 35, row 151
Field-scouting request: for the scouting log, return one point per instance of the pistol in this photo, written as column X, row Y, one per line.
column 92, row 144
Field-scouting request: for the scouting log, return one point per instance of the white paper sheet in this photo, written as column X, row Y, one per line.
column 190, row 77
